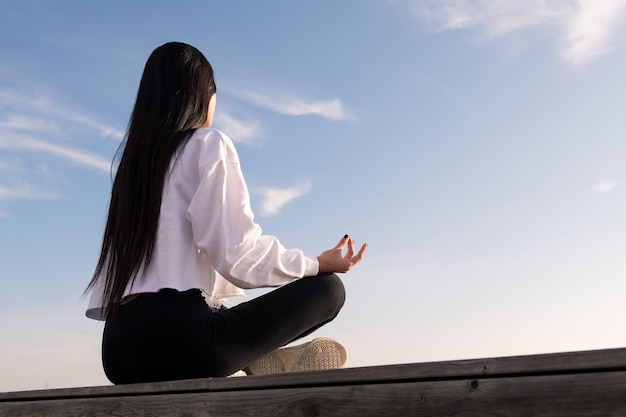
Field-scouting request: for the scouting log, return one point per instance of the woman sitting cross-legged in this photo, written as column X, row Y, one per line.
column 180, row 238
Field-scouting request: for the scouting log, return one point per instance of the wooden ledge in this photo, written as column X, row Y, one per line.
column 589, row 383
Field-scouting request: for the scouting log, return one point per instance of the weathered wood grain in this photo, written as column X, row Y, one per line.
column 593, row 395
column 566, row 384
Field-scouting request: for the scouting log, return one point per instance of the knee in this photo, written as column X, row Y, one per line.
column 334, row 291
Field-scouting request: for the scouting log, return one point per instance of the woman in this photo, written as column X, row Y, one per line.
column 180, row 238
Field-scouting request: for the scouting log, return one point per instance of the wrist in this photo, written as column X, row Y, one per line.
column 321, row 264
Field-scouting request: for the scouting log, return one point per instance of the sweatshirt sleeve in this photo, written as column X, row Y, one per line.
column 223, row 224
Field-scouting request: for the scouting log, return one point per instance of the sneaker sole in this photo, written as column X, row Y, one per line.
column 322, row 353
column 318, row 354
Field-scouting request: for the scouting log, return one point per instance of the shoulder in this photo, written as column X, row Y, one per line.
column 210, row 145
column 211, row 137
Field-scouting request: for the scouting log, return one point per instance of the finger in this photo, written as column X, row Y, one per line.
column 359, row 255
column 350, row 251
column 342, row 243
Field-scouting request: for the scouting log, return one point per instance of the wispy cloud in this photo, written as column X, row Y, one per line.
column 291, row 105
column 604, row 187
column 36, row 131
column 275, row 198
column 27, row 111
column 25, row 143
column 25, row 123
column 14, row 187
column 239, row 130
column 32, row 122
column 23, row 190
column 585, row 27
column 589, row 29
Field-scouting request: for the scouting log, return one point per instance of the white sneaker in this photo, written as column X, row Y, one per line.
column 318, row 354
column 236, row 374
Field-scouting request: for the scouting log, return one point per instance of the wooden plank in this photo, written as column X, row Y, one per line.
column 190, row 385
column 569, row 362
column 584, row 395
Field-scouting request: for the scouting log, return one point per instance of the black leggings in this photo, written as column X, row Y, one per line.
column 175, row 335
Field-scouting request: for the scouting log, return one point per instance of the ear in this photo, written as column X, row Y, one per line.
column 209, row 119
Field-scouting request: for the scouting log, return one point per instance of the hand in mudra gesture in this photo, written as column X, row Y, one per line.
column 334, row 260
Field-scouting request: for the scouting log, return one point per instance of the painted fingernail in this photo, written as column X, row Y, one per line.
column 345, row 237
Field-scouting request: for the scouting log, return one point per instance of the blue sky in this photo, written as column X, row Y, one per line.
column 477, row 146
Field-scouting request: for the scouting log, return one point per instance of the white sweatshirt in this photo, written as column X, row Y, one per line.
column 207, row 237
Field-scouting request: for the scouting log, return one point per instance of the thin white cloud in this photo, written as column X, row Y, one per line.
column 30, row 144
column 585, row 27
column 27, row 123
column 33, row 125
column 275, row 198
column 293, row 106
column 22, row 190
column 604, row 187
column 238, row 130
column 28, row 111
column 588, row 31
column 10, row 173
column 103, row 130
column 31, row 122
column 496, row 18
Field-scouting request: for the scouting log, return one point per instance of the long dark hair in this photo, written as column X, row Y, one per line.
column 173, row 100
